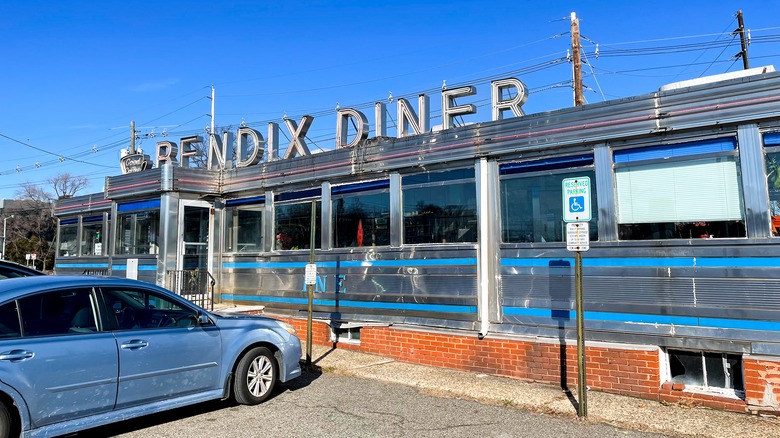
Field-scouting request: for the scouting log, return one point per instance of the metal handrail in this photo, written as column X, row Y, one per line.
column 191, row 284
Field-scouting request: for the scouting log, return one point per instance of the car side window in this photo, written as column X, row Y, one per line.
column 139, row 309
column 58, row 312
column 9, row 321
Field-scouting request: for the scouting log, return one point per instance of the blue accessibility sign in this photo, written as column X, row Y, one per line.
column 576, row 204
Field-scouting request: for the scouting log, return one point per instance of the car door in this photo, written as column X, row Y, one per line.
column 57, row 357
column 163, row 351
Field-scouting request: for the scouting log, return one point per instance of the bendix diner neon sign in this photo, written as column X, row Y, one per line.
column 409, row 123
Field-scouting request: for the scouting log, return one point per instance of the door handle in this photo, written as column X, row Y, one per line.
column 135, row 344
column 16, row 355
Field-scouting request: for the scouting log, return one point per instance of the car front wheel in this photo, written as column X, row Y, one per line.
column 256, row 376
column 5, row 421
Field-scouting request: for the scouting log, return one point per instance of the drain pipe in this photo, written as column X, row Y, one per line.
column 486, row 244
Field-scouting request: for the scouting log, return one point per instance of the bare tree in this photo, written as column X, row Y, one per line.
column 31, row 192
column 33, row 228
column 66, row 185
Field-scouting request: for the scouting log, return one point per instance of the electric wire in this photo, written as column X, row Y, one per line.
column 610, row 51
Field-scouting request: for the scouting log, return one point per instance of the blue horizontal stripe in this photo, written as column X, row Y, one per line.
column 245, row 201
column 80, row 265
column 152, row 204
column 140, row 268
column 650, row 262
column 772, row 139
column 440, row 308
column 675, row 150
column 636, row 318
column 353, row 264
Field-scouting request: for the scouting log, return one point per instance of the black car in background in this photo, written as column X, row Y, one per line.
column 13, row 270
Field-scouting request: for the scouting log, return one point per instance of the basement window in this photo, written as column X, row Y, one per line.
column 346, row 334
column 709, row 371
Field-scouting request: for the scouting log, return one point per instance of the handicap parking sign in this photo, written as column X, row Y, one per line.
column 576, row 204
column 576, row 199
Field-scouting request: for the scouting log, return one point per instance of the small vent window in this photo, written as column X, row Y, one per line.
column 348, row 335
column 706, row 369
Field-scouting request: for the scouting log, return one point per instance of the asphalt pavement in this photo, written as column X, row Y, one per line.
column 615, row 410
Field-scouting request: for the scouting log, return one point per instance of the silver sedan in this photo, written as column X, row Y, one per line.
column 79, row 352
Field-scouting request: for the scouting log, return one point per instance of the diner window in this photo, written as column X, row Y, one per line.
column 532, row 198
column 137, row 228
column 244, row 225
column 772, row 149
column 292, row 221
column 68, row 243
column 361, row 214
column 92, row 236
column 440, row 207
column 684, row 191
column 706, row 370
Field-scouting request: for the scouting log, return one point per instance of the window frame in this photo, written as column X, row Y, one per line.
column 406, row 186
column 679, row 153
column 774, row 224
column 706, row 387
column 352, row 190
column 302, row 197
column 132, row 213
column 580, row 165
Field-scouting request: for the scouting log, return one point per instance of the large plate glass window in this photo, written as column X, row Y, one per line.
column 137, row 227
column 292, row 221
column 92, row 236
column 682, row 191
column 772, row 150
column 361, row 214
column 244, row 224
column 440, row 207
column 532, row 198
column 68, row 242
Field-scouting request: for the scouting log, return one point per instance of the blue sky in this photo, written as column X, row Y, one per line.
column 75, row 73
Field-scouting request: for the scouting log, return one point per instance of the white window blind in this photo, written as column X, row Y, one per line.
column 688, row 191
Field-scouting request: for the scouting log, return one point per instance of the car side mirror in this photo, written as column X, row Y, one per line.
column 203, row 319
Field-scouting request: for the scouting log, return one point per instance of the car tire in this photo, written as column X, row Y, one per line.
column 256, row 376
column 5, row 421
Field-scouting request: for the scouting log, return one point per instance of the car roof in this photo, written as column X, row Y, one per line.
column 13, row 267
column 13, row 287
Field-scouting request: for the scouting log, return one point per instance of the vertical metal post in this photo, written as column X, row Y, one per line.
column 310, row 287
column 582, row 387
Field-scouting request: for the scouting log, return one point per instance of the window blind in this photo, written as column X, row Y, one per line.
column 690, row 191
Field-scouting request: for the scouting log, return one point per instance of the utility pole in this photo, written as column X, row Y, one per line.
column 579, row 99
column 743, row 41
column 132, row 138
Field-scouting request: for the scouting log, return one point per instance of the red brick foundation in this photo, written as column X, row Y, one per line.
column 627, row 370
column 762, row 383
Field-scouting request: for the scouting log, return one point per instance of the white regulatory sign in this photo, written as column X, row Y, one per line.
column 577, row 236
column 311, row 274
column 576, row 199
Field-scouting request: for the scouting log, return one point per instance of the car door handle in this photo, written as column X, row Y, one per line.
column 135, row 344
column 16, row 355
